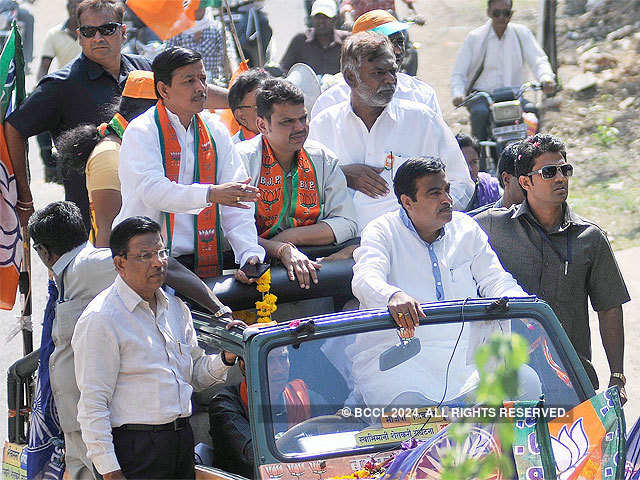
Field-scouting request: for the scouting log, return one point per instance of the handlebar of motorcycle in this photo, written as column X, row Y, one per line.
column 523, row 88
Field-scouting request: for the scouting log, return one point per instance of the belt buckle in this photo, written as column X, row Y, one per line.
column 176, row 425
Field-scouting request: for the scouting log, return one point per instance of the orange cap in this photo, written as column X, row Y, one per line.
column 140, row 85
column 375, row 19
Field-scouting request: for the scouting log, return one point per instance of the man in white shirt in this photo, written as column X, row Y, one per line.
column 177, row 161
column 81, row 272
column 423, row 252
column 408, row 87
column 374, row 133
column 494, row 56
column 137, row 363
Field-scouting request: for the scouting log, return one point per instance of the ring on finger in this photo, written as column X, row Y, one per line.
column 237, row 199
column 400, row 314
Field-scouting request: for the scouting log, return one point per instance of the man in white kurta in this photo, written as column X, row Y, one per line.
column 423, row 252
column 494, row 56
column 373, row 134
column 408, row 88
column 147, row 191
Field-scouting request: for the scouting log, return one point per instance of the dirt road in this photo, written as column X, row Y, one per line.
column 448, row 23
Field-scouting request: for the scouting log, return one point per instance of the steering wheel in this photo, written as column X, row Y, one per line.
column 313, row 426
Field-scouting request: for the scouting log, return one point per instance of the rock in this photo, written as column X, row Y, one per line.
column 575, row 7
column 596, row 61
column 626, row 103
column 582, row 82
column 621, row 33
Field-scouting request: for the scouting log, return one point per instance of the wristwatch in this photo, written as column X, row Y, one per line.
column 224, row 310
column 620, row 376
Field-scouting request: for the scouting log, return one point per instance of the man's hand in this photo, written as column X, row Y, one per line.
column 242, row 277
column 457, row 101
column 115, row 475
column 365, row 179
column 623, row 393
column 406, row 312
column 344, row 254
column 24, row 213
column 299, row 266
column 232, row 193
column 548, row 87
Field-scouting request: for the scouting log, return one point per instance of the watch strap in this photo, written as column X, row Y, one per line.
column 619, row 376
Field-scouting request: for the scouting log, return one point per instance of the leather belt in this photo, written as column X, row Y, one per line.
column 178, row 424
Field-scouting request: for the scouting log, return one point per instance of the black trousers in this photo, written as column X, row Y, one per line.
column 146, row 455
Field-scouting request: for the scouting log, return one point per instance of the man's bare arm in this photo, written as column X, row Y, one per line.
column 216, row 97
column 187, row 283
column 317, row 234
column 17, row 153
column 45, row 63
column 612, row 333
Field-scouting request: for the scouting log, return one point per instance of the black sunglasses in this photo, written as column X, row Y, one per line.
column 550, row 171
column 506, row 13
column 105, row 30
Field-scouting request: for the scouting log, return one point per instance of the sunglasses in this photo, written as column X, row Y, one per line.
column 105, row 30
column 550, row 171
column 506, row 13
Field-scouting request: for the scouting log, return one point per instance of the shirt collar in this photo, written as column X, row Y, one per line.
column 493, row 34
column 568, row 219
column 131, row 299
column 66, row 259
column 409, row 224
column 95, row 70
column 175, row 120
column 391, row 109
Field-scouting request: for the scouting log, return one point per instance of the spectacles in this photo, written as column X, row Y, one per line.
column 246, row 106
column 506, row 13
column 105, row 30
column 397, row 40
column 148, row 256
column 550, row 171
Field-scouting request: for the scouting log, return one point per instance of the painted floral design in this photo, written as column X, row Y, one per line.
column 10, row 238
column 570, row 448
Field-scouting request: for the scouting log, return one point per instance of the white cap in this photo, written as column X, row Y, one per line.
column 327, row 8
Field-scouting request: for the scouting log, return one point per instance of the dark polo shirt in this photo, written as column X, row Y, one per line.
column 304, row 48
column 539, row 268
column 81, row 92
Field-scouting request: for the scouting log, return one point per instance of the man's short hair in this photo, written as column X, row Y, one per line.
column 114, row 6
column 411, row 171
column 532, row 147
column 489, row 2
column 507, row 161
column 465, row 140
column 126, row 230
column 59, row 227
column 245, row 83
column 168, row 61
column 276, row 91
column 363, row 45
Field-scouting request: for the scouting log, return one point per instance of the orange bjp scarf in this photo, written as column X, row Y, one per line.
column 207, row 249
column 302, row 205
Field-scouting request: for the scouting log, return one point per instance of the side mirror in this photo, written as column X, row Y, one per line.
column 400, row 353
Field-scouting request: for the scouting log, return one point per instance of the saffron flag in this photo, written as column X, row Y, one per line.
column 11, row 94
column 588, row 443
column 167, row 18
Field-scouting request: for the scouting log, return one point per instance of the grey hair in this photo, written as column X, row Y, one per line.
column 362, row 45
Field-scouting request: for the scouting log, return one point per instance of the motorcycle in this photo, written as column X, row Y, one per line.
column 511, row 119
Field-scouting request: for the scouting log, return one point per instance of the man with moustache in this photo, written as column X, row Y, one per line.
column 304, row 199
column 374, row 133
column 137, row 361
column 559, row 256
column 177, row 161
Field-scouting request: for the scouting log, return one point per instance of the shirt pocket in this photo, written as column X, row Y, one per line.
column 462, row 282
column 185, row 363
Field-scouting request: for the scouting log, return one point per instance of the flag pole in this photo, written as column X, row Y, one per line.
column 234, row 33
column 226, row 62
column 25, row 292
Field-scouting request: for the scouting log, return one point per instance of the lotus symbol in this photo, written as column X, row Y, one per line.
column 570, row 448
column 274, row 471
column 10, row 238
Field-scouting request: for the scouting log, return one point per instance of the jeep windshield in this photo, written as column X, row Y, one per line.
column 368, row 390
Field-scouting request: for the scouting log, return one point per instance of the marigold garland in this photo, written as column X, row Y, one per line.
column 268, row 304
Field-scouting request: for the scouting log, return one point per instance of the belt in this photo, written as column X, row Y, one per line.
column 178, row 424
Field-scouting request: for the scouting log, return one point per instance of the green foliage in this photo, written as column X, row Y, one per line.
column 498, row 363
column 606, row 134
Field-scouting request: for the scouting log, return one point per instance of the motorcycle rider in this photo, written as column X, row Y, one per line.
column 494, row 56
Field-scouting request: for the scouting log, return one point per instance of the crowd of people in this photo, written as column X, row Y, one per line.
column 158, row 190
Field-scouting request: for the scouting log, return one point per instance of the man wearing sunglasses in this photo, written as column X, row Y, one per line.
column 494, row 56
column 558, row 256
column 77, row 94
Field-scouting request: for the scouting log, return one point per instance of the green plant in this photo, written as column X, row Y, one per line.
column 606, row 134
column 498, row 363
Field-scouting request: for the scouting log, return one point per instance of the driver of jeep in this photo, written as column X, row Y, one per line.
column 425, row 252
column 292, row 402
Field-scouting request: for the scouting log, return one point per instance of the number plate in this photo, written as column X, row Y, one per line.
column 520, row 128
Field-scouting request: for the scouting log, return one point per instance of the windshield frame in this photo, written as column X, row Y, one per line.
column 260, row 341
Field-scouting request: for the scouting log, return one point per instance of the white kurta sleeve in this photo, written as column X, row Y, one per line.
column 464, row 60
column 372, row 267
column 535, row 57
column 238, row 224
column 338, row 210
column 140, row 170
column 97, row 363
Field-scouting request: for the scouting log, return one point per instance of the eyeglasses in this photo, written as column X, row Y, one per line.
column 397, row 40
column 148, row 256
column 105, row 30
column 550, row 171
column 246, row 106
column 506, row 13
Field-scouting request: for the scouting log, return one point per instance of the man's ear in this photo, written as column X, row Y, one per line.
column 162, row 89
column 119, row 262
column 406, row 202
column 525, row 182
column 261, row 123
column 350, row 78
column 240, row 117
